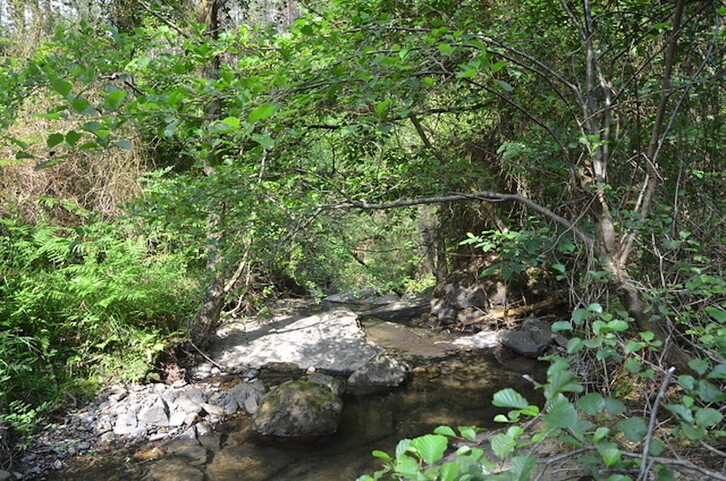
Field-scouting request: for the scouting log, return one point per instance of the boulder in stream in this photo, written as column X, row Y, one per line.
column 298, row 409
column 381, row 371
column 531, row 340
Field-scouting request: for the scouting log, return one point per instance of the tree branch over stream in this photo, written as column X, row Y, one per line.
column 483, row 196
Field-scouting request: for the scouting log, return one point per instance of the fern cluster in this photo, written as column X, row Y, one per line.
column 78, row 304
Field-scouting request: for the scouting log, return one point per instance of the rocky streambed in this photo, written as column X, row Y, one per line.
column 200, row 428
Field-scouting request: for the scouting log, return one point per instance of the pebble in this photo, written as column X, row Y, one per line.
column 136, row 415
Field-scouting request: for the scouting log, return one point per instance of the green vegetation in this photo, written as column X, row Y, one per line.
column 165, row 161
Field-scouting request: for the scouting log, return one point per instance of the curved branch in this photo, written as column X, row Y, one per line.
column 484, row 196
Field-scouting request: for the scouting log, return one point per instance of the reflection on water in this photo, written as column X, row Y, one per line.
column 454, row 391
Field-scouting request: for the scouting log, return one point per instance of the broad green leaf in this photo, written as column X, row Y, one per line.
column 430, row 447
column 114, row 99
column 505, row 86
column 719, row 372
column 55, row 139
column 264, row 140
column 382, row 455
column 445, row 431
column 61, row 86
column 509, row 398
column 448, row 471
column 708, row 417
column 406, row 465
column 579, row 316
column 561, row 413
column 562, row 381
column 693, row 433
column 600, row 433
column 634, row 428
column 82, row 106
column 123, row 144
column 710, row 393
column 609, row 453
column 502, row 445
column 522, row 467
column 560, row 326
column 614, row 406
column 618, row 325
column 233, row 122
column 498, row 66
column 402, row 447
column 718, row 314
column 699, row 365
column 593, row 403
column 72, row 137
column 468, row 432
column 261, row 112
column 382, row 107
column 656, row 447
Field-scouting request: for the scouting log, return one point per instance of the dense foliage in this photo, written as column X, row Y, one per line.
column 376, row 142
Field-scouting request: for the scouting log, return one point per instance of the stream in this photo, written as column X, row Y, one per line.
column 445, row 388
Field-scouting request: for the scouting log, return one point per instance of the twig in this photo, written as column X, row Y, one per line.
column 222, row 368
column 680, row 463
column 653, row 420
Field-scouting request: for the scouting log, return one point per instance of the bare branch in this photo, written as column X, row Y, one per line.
column 653, row 145
column 653, row 420
column 484, row 196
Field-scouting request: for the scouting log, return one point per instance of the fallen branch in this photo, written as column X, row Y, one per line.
column 506, row 312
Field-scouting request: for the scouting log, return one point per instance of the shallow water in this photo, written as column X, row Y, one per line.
column 455, row 390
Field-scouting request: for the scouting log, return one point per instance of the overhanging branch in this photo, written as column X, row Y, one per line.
column 484, row 196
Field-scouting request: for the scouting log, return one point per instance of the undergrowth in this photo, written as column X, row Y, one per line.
column 81, row 306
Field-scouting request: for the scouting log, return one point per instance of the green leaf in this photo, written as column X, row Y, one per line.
column 468, row 432
column 445, row 431
column 261, row 112
column 382, row 107
column 579, row 316
column 593, row 403
column 61, row 86
column 114, row 99
column 445, row 49
column 232, row 122
column 382, row 455
column 609, row 453
column 614, row 406
column 448, row 471
column 505, row 86
column 123, row 144
column 560, row 326
column 718, row 314
column 562, row 381
column 82, row 106
column 402, row 447
column 600, row 433
column 502, row 445
column 509, row 398
column 264, row 140
column 430, row 447
column 55, row 139
column 634, row 428
column 498, row 66
column 708, row 417
column 561, row 413
column 72, row 137
column 406, row 465
column 699, row 365
column 522, row 467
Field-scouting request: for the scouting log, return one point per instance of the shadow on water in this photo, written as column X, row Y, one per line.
column 456, row 391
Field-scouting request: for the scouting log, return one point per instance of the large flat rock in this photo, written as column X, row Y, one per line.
column 330, row 340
